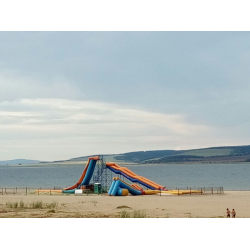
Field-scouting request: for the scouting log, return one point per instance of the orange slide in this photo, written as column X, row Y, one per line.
column 83, row 174
column 134, row 176
column 135, row 186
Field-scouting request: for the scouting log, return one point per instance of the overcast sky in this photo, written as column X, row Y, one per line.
column 70, row 94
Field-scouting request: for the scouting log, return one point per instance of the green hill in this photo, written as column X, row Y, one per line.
column 207, row 155
column 203, row 155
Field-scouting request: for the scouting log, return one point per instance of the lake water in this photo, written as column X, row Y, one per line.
column 230, row 176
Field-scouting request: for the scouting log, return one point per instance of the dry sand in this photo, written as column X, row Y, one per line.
column 152, row 206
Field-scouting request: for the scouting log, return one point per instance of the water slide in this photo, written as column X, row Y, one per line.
column 118, row 186
column 133, row 177
column 121, row 188
column 89, row 170
column 87, row 173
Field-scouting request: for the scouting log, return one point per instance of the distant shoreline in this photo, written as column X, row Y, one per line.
column 120, row 163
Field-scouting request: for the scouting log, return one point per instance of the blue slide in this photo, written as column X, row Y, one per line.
column 118, row 186
column 85, row 177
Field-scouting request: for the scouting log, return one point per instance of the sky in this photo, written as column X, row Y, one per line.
column 71, row 94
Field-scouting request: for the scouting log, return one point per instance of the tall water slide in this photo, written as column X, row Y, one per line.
column 127, row 173
column 87, row 173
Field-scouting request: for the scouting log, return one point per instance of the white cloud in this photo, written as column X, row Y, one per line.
column 56, row 125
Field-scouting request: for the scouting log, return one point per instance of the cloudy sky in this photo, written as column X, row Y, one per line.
column 70, row 94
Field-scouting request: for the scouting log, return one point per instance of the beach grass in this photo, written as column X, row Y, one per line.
column 32, row 205
column 134, row 214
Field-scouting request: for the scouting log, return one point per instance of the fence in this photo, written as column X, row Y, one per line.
column 31, row 191
column 202, row 190
column 35, row 191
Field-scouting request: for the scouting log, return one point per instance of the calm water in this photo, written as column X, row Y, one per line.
column 230, row 176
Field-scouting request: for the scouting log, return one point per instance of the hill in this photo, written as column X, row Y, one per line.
column 18, row 162
column 204, row 155
column 232, row 154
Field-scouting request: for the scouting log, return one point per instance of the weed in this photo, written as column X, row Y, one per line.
column 134, row 214
column 36, row 205
column 51, row 205
column 15, row 204
column 124, row 214
column 9, row 204
column 139, row 214
column 21, row 204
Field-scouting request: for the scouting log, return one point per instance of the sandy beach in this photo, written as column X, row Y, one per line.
column 104, row 206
